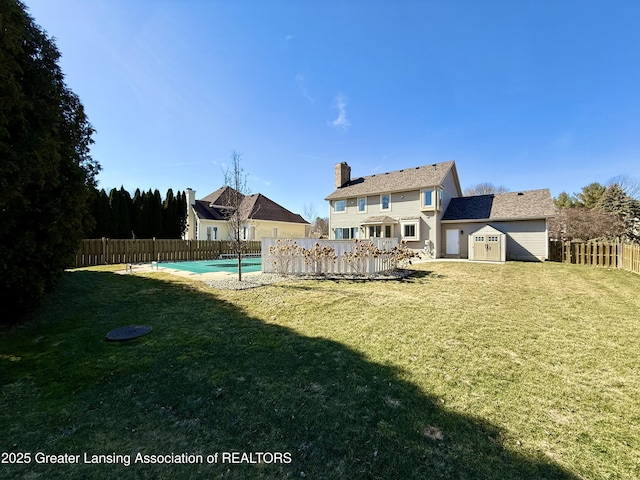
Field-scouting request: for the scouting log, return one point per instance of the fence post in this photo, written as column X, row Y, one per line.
column 104, row 251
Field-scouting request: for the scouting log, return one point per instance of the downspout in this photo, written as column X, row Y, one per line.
column 439, row 214
column 436, row 223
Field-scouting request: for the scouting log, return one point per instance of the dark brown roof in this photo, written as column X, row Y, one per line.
column 204, row 210
column 263, row 208
column 396, row 181
column 222, row 196
column 212, row 207
column 501, row 206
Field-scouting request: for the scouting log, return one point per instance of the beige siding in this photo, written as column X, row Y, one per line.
column 526, row 239
column 406, row 208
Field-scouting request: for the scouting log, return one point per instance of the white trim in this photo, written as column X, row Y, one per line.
column 338, row 212
column 416, row 235
column 388, row 209
column 490, row 220
column 423, row 197
column 358, row 204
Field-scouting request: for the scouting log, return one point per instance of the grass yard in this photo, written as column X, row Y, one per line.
column 478, row 371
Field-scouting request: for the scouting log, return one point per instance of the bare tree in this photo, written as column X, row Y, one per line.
column 629, row 185
column 585, row 224
column 309, row 212
column 320, row 227
column 238, row 211
column 484, row 188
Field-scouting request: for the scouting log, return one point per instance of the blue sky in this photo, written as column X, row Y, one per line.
column 525, row 94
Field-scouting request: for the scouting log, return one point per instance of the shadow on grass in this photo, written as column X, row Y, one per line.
column 211, row 379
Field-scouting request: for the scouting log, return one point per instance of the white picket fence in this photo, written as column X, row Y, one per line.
column 297, row 264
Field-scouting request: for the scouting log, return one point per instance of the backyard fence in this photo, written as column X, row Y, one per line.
column 600, row 254
column 296, row 264
column 103, row 251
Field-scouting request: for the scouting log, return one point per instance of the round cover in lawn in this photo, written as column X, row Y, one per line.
column 128, row 333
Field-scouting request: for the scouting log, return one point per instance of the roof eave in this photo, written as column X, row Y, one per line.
column 497, row 219
column 380, row 192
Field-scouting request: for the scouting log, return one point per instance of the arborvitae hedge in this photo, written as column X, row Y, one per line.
column 145, row 215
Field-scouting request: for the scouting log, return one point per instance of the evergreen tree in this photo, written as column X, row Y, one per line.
column 590, row 195
column 138, row 224
column 155, row 214
column 101, row 212
column 114, row 210
column 169, row 218
column 124, row 214
column 46, row 172
column 181, row 202
column 616, row 201
column 564, row 200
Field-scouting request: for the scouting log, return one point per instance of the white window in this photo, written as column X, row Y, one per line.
column 346, row 233
column 410, row 231
column 274, row 232
column 375, row 231
column 362, row 204
column 385, row 201
column 340, row 206
column 427, row 198
column 209, row 233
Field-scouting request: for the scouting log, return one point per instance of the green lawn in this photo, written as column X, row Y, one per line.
column 522, row 370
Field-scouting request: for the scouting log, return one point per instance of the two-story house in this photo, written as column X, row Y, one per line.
column 424, row 207
column 406, row 204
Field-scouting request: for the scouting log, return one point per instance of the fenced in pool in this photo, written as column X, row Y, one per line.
column 227, row 265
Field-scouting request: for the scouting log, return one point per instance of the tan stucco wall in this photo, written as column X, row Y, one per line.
column 261, row 228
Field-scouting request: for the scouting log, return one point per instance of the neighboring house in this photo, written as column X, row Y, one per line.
column 207, row 219
column 424, row 207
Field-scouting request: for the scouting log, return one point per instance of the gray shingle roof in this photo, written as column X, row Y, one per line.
column 381, row 219
column 396, row 181
column 502, row 206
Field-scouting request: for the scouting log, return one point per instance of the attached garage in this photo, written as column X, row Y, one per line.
column 521, row 217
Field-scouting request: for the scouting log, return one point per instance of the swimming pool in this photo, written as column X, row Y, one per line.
column 229, row 265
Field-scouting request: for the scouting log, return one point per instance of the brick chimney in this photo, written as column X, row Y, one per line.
column 343, row 174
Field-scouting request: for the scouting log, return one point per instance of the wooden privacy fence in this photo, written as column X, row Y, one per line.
column 103, row 251
column 297, row 264
column 601, row 254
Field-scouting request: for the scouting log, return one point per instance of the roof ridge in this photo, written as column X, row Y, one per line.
column 404, row 169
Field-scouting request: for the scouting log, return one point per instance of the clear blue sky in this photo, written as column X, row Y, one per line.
column 525, row 94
